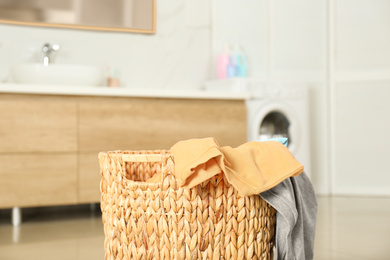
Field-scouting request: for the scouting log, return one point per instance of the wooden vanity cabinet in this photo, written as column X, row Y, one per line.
column 136, row 123
column 29, row 180
column 49, row 144
column 37, row 124
column 38, row 151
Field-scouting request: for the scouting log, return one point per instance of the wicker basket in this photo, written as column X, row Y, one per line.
column 145, row 220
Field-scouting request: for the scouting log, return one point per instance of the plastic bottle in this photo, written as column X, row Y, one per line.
column 113, row 78
column 240, row 62
column 231, row 67
column 223, row 63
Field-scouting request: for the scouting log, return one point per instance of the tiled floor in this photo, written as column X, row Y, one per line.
column 353, row 228
column 53, row 233
column 348, row 228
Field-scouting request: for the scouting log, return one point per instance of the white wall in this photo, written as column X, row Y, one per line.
column 362, row 143
column 177, row 56
column 362, row 35
column 360, row 107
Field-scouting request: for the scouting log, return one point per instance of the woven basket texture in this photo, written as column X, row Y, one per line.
column 164, row 221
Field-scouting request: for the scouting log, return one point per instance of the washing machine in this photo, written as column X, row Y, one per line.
column 274, row 110
column 281, row 111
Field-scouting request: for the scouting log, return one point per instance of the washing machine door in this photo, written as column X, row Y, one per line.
column 273, row 120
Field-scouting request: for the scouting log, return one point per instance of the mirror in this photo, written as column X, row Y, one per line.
column 137, row 16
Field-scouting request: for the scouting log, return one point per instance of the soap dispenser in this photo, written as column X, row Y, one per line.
column 113, row 78
column 223, row 63
column 240, row 62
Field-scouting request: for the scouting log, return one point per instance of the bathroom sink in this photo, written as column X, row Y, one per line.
column 58, row 74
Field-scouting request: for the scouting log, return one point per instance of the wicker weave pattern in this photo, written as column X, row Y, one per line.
column 163, row 221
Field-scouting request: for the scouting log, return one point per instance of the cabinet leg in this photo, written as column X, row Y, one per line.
column 16, row 216
column 16, row 234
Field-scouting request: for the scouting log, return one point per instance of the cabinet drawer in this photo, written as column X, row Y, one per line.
column 38, row 180
column 118, row 124
column 37, row 124
column 89, row 178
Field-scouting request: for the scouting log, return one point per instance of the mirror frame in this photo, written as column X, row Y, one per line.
column 88, row 27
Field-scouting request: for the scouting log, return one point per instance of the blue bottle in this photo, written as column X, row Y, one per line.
column 231, row 67
column 240, row 62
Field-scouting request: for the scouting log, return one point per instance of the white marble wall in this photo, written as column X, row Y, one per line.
column 177, row 56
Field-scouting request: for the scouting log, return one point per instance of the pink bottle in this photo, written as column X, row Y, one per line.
column 223, row 63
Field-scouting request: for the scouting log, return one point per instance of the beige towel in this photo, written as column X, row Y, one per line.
column 251, row 168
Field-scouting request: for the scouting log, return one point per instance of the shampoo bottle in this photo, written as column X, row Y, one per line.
column 223, row 63
column 231, row 67
column 240, row 62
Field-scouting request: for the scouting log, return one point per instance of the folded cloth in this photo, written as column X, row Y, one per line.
column 251, row 168
column 295, row 202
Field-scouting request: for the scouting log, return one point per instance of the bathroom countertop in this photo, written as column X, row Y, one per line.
column 120, row 92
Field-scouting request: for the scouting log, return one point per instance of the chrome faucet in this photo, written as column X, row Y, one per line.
column 47, row 50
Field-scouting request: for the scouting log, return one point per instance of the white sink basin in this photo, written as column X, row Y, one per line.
column 58, row 74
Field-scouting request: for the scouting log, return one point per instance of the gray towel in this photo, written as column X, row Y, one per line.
column 296, row 204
